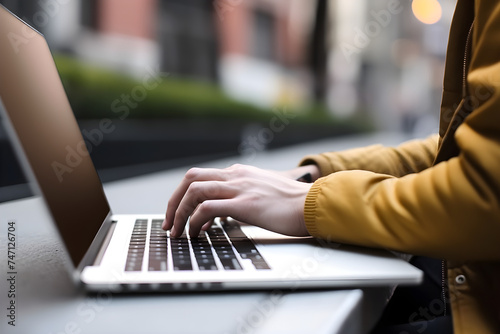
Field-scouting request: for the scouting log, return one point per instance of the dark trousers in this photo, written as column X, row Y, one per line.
column 418, row 309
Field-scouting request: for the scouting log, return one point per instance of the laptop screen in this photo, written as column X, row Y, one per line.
column 35, row 102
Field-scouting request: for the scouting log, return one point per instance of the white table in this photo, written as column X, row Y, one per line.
column 48, row 302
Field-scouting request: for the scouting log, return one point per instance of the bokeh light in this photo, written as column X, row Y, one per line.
column 427, row 11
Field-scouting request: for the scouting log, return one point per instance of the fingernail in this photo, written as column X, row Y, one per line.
column 164, row 224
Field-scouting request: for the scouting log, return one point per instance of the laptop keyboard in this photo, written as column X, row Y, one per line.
column 211, row 250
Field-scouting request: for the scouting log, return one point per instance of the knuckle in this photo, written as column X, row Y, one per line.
column 198, row 192
column 194, row 188
column 192, row 173
column 238, row 170
column 206, row 208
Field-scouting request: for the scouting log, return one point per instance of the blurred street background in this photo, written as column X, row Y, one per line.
column 188, row 81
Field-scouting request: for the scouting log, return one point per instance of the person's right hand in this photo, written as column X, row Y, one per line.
column 248, row 194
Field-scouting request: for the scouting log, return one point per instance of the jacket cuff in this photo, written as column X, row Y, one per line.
column 310, row 207
column 323, row 163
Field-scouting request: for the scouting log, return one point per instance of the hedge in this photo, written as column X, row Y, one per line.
column 95, row 93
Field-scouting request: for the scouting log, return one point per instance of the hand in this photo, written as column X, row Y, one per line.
column 249, row 194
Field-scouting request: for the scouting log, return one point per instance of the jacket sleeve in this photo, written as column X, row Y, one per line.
column 450, row 210
column 410, row 157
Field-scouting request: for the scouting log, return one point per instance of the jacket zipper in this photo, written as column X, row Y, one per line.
column 464, row 95
column 443, row 285
column 466, row 61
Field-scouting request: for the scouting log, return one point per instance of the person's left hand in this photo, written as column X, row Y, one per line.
column 248, row 194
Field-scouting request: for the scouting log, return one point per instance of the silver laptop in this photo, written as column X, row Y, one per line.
column 132, row 253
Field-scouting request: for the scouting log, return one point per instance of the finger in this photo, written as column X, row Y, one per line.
column 207, row 212
column 207, row 225
column 193, row 175
column 195, row 196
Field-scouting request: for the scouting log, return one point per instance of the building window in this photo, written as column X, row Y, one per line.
column 89, row 14
column 187, row 38
column 264, row 36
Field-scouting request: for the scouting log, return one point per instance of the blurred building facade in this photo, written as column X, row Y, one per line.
column 263, row 49
column 378, row 57
column 383, row 60
column 255, row 49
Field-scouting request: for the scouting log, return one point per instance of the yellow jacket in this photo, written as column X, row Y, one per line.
column 437, row 197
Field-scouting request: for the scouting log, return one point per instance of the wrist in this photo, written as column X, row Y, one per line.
column 313, row 170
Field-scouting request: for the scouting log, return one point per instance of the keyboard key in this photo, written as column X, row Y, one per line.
column 260, row 264
column 137, row 246
column 244, row 246
column 137, row 242
column 182, row 264
column 156, row 264
column 230, row 263
column 234, row 232
column 207, row 264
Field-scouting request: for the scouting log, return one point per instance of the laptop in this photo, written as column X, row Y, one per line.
column 132, row 252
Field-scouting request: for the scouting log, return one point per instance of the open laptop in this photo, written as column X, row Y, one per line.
column 132, row 253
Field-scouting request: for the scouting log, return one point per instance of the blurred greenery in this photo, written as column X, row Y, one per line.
column 95, row 93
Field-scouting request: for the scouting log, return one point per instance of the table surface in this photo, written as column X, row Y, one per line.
column 46, row 300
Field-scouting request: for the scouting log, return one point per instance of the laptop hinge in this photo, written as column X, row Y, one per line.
column 97, row 244
column 105, row 243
